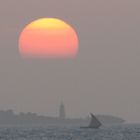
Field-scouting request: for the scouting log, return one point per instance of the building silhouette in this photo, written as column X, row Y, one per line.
column 62, row 113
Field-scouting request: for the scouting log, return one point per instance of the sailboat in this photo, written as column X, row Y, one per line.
column 94, row 123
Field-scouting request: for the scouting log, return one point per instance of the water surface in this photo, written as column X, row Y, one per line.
column 119, row 132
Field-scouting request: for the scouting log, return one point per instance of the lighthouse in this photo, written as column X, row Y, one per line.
column 62, row 113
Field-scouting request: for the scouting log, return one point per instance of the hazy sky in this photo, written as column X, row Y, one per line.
column 103, row 79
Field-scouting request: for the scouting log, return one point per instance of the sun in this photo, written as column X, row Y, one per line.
column 48, row 38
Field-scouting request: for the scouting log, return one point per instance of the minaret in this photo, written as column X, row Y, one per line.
column 62, row 113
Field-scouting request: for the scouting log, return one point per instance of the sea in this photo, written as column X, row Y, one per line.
column 114, row 132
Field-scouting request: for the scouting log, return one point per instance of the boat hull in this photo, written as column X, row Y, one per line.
column 82, row 127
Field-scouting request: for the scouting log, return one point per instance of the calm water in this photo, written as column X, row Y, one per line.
column 124, row 132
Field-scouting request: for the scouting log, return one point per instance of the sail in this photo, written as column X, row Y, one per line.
column 94, row 123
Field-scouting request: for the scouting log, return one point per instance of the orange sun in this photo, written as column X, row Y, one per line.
column 48, row 37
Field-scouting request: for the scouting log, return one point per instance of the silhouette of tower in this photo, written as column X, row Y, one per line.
column 62, row 113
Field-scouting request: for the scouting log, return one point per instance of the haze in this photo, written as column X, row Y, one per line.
column 103, row 79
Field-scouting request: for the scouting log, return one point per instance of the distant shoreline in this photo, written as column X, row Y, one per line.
column 8, row 117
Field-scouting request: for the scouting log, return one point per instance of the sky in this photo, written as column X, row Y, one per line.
column 104, row 78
